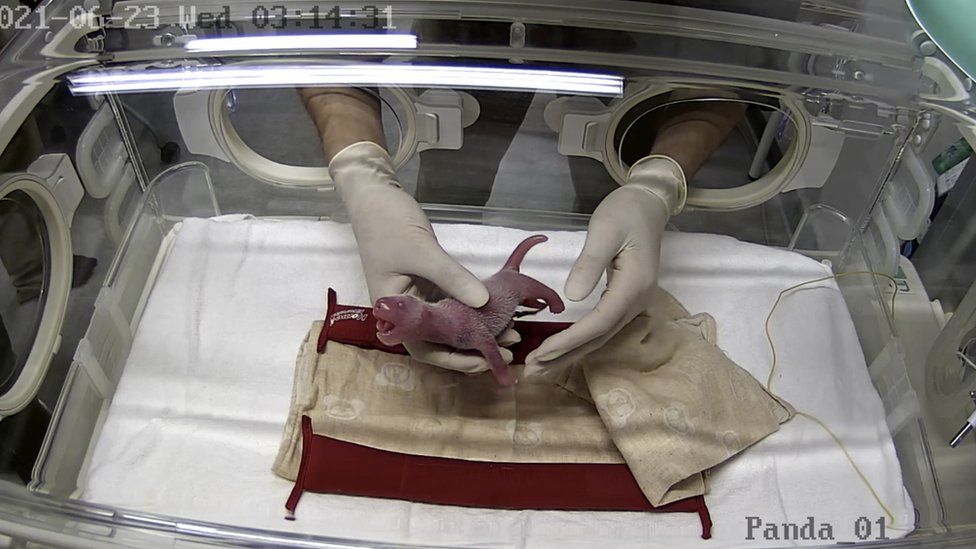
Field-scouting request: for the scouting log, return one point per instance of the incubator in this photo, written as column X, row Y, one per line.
column 170, row 231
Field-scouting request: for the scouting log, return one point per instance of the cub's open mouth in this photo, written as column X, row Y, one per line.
column 384, row 327
column 382, row 311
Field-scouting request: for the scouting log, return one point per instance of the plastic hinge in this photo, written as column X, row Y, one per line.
column 889, row 373
column 193, row 116
column 108, row 339
column 86, row 356
column 581, row 124
column 62, row 179
column 949, row 87
column 100, row 154
column 882, row 244
column 439, row 120
column 826, row 143
column 909, row 197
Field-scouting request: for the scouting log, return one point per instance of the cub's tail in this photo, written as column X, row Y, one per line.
column 515, row 260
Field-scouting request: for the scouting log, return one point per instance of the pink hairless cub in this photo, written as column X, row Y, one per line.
column 449, row 322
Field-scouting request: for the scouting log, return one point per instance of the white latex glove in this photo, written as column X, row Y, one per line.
column 624, row 239
column 396, row 244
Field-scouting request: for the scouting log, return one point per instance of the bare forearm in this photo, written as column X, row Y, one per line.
column 343, row 116
column 693, row 133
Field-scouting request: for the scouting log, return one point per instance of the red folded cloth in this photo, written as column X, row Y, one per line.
column 337, row 467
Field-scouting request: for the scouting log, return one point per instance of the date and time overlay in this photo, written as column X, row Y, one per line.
column 272, row 16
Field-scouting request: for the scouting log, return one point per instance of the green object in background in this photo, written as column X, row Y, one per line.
column 959, row 151
column 951, row 24
column 950, row 164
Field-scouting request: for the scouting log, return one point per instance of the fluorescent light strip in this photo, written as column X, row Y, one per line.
column 119, row 81
column 305, row 42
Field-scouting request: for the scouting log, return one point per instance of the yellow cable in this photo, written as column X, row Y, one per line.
column 772, row 370
column 769, row 337
column 864, row 479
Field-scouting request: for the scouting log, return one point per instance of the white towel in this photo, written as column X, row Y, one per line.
column 194, row 426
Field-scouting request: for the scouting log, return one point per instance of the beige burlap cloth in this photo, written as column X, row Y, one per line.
column 660, row 396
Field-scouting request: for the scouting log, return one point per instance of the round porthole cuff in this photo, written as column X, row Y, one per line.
column 48, row 336
column 737, row 198
column 663, row 176
column 264, row 169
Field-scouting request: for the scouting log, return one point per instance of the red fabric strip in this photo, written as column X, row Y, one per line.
column 308, row 439
column 337, row 467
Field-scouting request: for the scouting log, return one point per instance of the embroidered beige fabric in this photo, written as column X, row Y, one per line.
column 659, row 396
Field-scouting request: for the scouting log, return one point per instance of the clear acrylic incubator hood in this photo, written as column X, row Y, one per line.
column 171, row 239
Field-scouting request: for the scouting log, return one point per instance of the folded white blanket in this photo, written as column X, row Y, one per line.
column 195, row 424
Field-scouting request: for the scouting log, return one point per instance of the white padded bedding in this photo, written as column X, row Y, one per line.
column 197, row 417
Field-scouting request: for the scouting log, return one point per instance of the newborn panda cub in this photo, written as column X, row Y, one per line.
column 449, row 322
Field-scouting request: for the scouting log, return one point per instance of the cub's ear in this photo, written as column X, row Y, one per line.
column 425, row 313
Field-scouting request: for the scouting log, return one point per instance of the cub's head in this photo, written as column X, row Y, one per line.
column 399, row 318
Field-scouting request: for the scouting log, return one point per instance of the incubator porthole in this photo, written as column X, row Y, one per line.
column 24, row 279
column 754, row 163
column 268, row 133
column 35, row 278
column 274, row 123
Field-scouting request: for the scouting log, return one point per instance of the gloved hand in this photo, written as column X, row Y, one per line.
column 396, row 244
column 623, row 238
